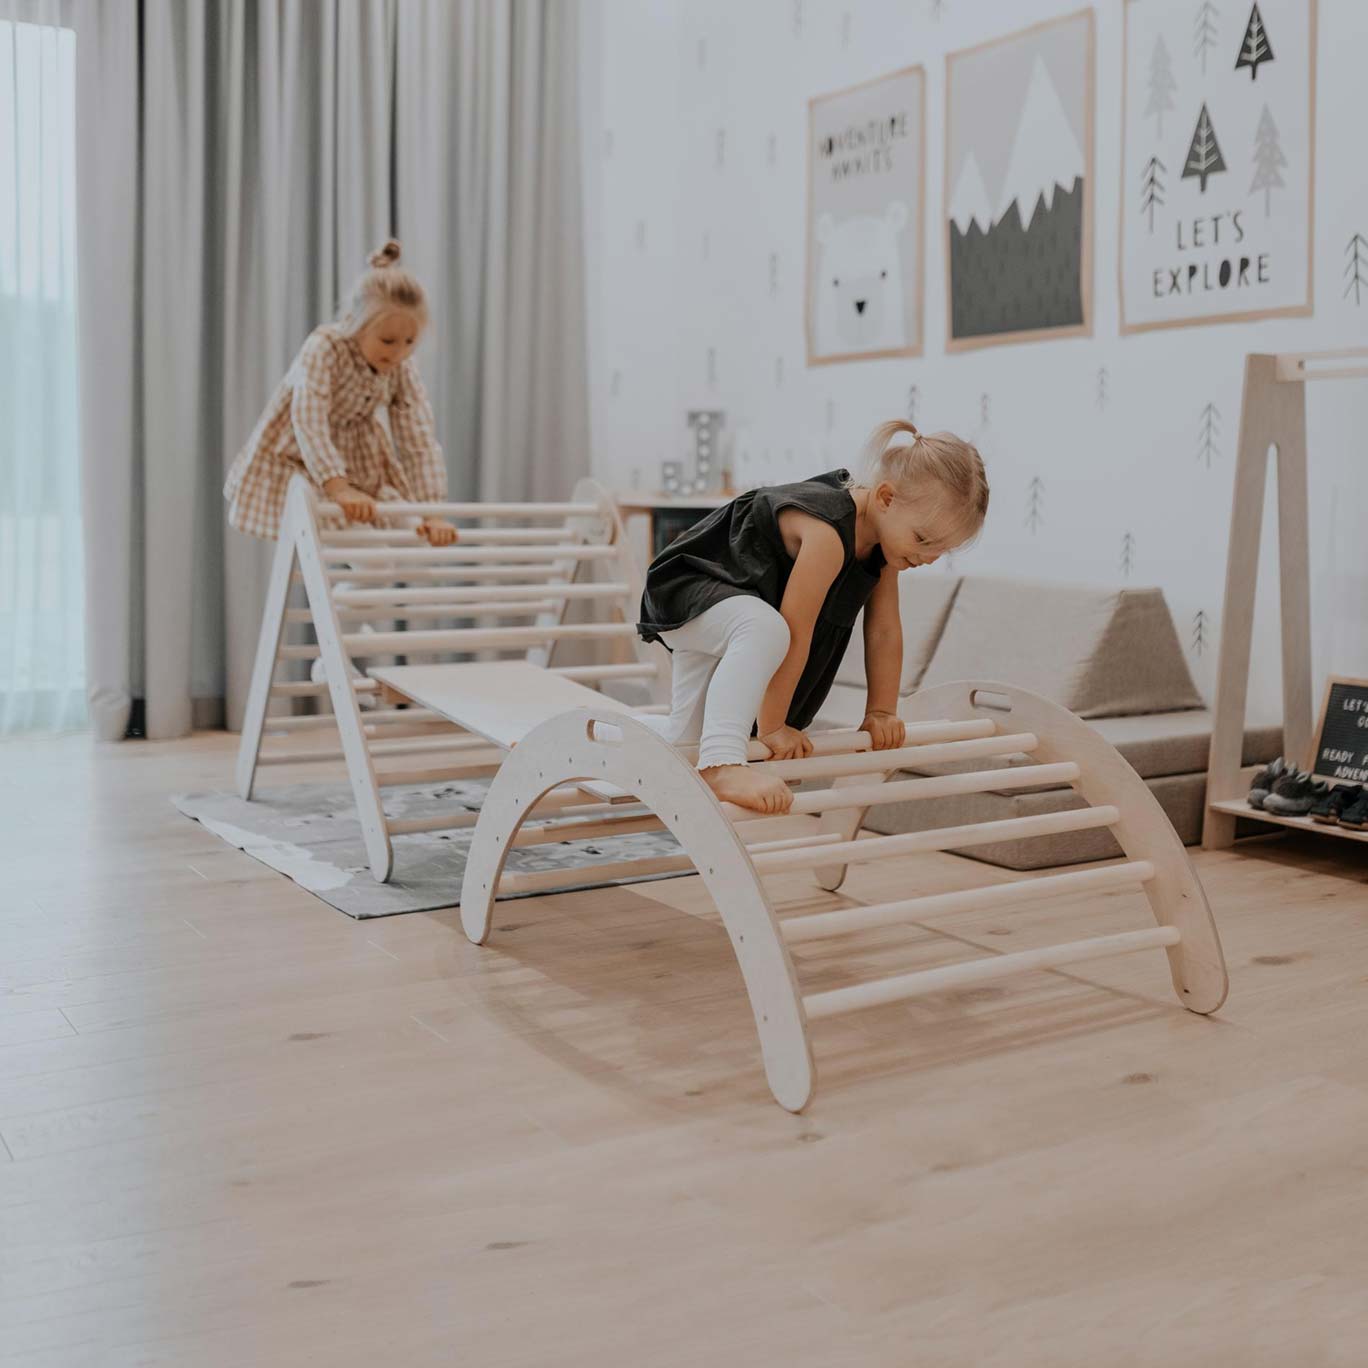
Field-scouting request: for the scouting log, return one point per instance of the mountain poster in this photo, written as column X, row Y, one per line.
column 1018, row 190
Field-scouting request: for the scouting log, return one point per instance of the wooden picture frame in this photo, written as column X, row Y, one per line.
column 917, row 345
column 1085, row 327
column 1301, row 310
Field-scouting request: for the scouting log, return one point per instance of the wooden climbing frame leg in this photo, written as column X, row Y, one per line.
column 337, row 669
column 263, row 668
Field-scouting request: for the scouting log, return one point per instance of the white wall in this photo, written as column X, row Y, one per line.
column 680, row 240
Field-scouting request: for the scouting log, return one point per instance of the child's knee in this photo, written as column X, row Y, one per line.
column 766, row 633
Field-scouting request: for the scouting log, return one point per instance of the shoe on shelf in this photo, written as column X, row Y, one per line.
column 1355, row 815
column 1295, row 794
column 1329, row 809
column 1262, row 784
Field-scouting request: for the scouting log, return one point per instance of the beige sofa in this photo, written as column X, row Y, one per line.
column 1110, row 655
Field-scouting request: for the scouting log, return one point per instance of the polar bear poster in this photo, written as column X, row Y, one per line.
column 861, row 303
column 865, row 220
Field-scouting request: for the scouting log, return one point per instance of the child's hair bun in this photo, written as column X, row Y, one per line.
column 386, row 255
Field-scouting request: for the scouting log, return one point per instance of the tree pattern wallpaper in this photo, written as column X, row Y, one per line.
column 1110, row 455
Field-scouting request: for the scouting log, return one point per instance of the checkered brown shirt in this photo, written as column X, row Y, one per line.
column 322, row 421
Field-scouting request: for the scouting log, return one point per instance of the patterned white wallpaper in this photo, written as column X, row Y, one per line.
column 1110, row 459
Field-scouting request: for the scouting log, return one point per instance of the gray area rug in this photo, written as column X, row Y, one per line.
column 310, row 833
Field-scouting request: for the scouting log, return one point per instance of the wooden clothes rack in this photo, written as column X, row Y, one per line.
column 1272, row 414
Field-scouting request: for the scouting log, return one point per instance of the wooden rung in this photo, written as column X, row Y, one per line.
column 475, row 638
column 298, row 722
column 401, row 556
column 942, row 838
column 882, row 991
column 469, row 536
column 1294, row 365
column 476, row 767
column 319, row 690
column 935, row 786
column 531, row 577
column 545, row 833
column 379, row 749
column 451, row 821
column 528, row 607
column 571, row 799
column 411, row 612
column 454, row 596
column 400, row 509
column 845, row 741
column 1013, row 894
column 635, row 869
column 904, row 757
column 378, row 717
column 564, row 802
column 593, row 674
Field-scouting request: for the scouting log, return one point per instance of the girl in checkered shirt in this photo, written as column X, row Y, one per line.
column 322, row 420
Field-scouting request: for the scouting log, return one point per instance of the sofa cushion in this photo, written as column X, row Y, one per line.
column 1158, row 744
column 924, row 600
column 1097, row 652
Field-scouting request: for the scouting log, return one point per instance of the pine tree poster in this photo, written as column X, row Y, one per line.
column 1018, row 185
column 866, row 192
column 1218, row 160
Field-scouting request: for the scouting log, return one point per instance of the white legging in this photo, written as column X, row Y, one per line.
column 723, row 662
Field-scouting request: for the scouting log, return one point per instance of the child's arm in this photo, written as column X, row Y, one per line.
column 883, row 653
column 818, row 561
column 419, row 452
column 310, row 414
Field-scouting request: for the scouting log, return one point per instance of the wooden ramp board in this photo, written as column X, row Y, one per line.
column 501, row 700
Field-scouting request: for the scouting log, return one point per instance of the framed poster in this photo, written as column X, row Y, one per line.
column 866, row 197
column 1018, row 185
column 1218, row 153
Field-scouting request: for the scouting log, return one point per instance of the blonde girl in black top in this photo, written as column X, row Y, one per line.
column 757, row 602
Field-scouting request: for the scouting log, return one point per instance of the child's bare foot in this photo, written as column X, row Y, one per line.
column 748, row 788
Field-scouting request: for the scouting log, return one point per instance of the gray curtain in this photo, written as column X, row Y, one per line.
column 237, row 159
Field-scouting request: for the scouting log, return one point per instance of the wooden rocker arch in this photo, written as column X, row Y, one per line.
column 601, row 749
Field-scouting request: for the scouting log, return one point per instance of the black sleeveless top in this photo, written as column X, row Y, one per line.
column 738, row 549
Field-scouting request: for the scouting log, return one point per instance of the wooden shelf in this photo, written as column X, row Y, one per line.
column 1239, row 808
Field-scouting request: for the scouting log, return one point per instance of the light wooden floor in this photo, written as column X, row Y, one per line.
column 241, row 1129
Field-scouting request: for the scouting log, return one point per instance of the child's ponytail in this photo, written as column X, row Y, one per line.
column 385, row 285
column 941, row 458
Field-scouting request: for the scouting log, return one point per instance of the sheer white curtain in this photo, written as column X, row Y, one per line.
column 42, row 665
